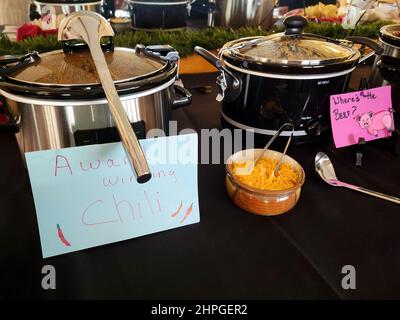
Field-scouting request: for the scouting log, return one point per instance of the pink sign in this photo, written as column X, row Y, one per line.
column 364, row 114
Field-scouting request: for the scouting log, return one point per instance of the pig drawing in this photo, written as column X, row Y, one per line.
column 375, row 122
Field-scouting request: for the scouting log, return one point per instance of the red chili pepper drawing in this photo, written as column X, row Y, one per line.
column 187, row 213
column 177, row 211
column 61, row 236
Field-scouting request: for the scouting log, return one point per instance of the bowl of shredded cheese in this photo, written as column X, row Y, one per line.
column 255, row 187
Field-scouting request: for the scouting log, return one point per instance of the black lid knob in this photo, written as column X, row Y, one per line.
column 295, row 25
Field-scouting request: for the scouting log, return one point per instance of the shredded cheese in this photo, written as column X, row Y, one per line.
column 261, row 176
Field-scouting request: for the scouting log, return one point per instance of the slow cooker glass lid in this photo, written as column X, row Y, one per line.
column 59, row 68
column 301, row 50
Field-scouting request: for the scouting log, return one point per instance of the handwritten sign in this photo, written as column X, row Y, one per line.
column 88, row 196
column 364, row 114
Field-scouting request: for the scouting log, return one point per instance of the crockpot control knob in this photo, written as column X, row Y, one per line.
column 313, row 128
column 295, row 25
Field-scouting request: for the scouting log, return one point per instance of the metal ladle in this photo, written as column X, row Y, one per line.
column 91, row 27
column 324, row 167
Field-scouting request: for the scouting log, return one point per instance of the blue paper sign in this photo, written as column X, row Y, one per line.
column 88, row 196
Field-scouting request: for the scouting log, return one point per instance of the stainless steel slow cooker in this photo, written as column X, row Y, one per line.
column 61, row 8
column 241, row 13
column 69, row 6
column 285, row 77
column 389, row 37
column 57, row 100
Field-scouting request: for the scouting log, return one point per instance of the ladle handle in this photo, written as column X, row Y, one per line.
column 91, row 27
column 370, row 192
column 128, row 137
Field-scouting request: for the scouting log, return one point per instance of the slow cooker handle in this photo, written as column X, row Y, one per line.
column 159, row 52
column 376, row 47
column 12, row 125
column 226, row 81
column 208, row 56
column 185, row 100
column 11, row 64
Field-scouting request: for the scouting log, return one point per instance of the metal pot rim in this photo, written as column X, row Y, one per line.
column 385, row 42
column 77, row 85
column 82, row 102
column 290, row 76
column 387, row 38
column 74, row 92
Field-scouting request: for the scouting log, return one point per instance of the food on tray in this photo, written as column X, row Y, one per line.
column 322, row 11
column 370, row 10
column 261, row 176
column 384, row 12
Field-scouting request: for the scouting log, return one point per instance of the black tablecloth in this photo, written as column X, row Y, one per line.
column 230, row 253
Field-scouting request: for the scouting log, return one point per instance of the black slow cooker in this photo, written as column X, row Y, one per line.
column 285, row 77
column 158, row 14
column 389, row 37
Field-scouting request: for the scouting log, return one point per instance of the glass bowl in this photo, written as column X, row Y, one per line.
column 262, row 202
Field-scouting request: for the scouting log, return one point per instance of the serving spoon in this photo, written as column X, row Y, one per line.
column 324, row 167
column 91, row 27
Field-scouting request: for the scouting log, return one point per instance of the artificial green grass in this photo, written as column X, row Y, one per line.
column 184, row 41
